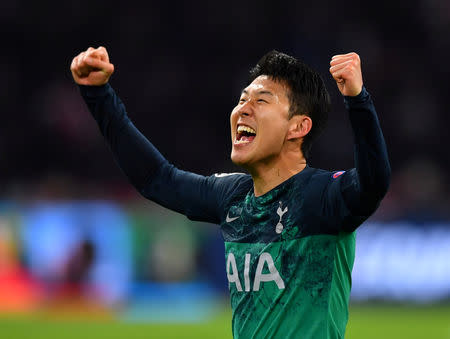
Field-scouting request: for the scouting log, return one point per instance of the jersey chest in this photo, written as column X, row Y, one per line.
column 254, row 240
column 252, row 223
column 269, row 244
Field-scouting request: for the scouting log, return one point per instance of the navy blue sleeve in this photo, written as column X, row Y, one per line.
column 362, row 188
column 198, row 197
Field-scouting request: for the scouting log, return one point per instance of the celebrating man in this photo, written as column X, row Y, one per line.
column 289, row 229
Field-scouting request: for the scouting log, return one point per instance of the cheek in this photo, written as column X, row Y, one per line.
column 233, row 116
column 233, row 120
column 274, row 133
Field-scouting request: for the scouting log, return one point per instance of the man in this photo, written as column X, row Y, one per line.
column 289, row 229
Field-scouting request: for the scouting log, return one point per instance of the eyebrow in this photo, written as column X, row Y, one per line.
column 244, row 91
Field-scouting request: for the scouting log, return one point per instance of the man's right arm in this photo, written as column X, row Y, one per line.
column 136, row 156
column 196, row 196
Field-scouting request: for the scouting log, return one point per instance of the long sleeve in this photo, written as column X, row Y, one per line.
column 196, row 196
column 363, row 187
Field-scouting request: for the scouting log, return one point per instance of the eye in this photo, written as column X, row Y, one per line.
column 262, row 100
column 242, row 100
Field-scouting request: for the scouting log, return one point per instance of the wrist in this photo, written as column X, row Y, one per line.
column 94, row 91
column 360, row 98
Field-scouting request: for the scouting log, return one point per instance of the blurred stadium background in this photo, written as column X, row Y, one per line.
column 82, row 255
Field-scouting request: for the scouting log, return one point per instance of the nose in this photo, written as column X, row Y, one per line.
column 246, row 109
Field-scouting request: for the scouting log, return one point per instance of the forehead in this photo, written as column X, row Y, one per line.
column 265, row 83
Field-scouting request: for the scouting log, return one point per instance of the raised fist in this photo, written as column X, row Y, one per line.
column 92, row 67
column 346, row 70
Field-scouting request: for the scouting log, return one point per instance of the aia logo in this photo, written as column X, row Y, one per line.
column 337, row 174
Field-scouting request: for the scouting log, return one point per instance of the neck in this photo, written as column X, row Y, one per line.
column 267, row 176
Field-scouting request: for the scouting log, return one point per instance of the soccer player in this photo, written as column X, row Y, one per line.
column 289, row 229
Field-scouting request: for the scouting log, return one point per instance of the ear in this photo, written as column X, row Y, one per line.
column 299, row 126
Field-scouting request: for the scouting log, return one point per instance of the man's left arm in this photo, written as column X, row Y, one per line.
column 363, row 187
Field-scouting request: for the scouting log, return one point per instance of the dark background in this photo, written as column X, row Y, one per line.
column 180, row 67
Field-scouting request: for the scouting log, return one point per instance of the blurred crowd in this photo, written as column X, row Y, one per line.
column 92, row 253
column 180, row 70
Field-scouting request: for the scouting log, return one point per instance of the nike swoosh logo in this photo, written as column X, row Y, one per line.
column 228, row 219
column 221, row 175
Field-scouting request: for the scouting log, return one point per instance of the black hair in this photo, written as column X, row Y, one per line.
column 306, row 90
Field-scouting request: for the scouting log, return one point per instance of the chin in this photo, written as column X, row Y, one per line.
column 239, row 159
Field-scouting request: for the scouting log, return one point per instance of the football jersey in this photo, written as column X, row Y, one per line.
column 289, row 256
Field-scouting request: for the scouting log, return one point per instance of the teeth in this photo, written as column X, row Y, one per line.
column 241, row 141
column 243, row 128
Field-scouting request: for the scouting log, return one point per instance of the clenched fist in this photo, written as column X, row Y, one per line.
column 92, row 67
column 346, row 70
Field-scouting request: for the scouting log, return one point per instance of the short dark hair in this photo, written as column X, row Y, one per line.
column 306, row 90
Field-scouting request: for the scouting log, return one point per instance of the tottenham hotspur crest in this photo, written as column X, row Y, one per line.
column 280, row 212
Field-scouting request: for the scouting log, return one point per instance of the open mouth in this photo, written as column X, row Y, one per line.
column 244, row 135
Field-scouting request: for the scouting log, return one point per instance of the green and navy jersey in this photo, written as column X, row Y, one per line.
column 289, row 256
column 290, row 252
